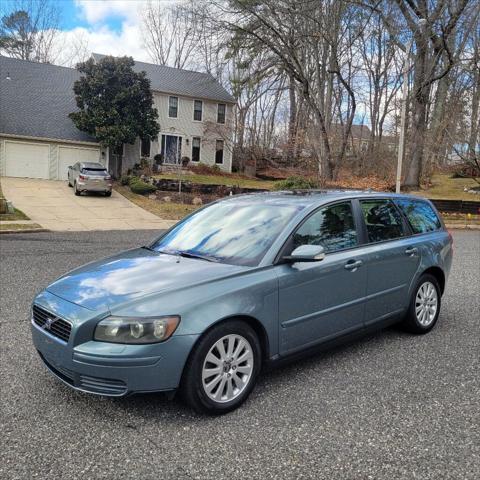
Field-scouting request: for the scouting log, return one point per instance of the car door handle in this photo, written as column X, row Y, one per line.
column 411, row 251
column 353, row 265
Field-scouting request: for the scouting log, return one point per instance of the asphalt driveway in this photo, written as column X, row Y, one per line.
column 53, row 205
column 389, row 406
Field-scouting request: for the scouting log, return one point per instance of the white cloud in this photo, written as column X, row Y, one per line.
column 95, row 11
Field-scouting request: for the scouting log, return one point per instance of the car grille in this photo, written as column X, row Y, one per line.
column 51, row 323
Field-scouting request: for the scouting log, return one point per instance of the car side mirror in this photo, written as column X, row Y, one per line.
column 70, row 167
column 306, row 253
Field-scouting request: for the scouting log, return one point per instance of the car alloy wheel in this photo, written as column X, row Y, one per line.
column 222, row 368
column 422, row 314
column 228, row 368
column 426, row 304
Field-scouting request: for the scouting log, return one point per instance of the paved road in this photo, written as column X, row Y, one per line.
column 389, row 406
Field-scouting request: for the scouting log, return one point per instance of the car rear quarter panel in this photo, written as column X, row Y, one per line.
column 435, row 251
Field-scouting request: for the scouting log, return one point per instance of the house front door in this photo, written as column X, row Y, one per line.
column 172, row 145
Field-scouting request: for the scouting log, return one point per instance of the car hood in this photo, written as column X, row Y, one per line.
column 133, row 274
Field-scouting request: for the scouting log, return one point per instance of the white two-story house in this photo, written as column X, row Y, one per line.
column 195, row 114
column 38, row 139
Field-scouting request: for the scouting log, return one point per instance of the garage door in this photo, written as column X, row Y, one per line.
column 26, row 160
column 70, row 155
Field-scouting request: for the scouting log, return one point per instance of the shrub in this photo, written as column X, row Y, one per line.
column 142, row 188
column 185, row 161
column 158, row 159
column 295, row 183
column 133, row 180
column 125, row 179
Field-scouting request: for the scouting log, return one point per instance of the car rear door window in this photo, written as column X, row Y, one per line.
column 420, row 215
column 382, row 219
column 332, row 227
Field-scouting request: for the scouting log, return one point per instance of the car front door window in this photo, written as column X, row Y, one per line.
column 332, row 227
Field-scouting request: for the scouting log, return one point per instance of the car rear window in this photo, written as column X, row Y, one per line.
column 420, row 215
column 382, row 219
column 94, row 171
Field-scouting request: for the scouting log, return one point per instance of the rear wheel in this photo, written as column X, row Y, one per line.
column 424, row 306
column 108, row 194
column 222, row 369
column 76, row 191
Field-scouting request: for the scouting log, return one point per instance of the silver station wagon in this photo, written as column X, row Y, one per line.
column 242, row 283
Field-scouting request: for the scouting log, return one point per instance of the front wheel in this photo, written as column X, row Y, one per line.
column 424, row 306
column 222, row 369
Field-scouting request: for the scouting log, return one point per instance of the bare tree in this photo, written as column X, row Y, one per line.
column 170, row 32
column 29, row 31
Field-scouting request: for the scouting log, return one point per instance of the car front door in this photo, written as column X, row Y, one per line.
column 321, row 300
column 393, row 260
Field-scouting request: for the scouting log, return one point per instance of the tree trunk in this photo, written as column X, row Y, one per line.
column 419, row 122
column 292, row 121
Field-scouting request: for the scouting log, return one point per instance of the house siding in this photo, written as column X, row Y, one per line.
column 208, row 129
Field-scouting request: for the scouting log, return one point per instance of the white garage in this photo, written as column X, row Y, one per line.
column 46, row 160
column 24, row 159
column 70, row 155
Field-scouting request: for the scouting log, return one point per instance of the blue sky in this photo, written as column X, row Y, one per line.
column 104, row 26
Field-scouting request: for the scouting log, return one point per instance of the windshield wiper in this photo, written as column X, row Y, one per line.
column 195, row 255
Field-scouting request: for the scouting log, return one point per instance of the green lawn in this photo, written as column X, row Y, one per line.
column 18, row 226
column 167, row 211
column 230, row 180
column 445, row 187
column 17, row 215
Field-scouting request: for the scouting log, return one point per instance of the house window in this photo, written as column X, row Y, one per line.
column 221, row 108
column 196, row 149
column 145, row 147
column 173, row 107
column 197, row 110
column 219, row 152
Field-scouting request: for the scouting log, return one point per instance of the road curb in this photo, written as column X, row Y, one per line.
column 453, row 226
column 27, row 230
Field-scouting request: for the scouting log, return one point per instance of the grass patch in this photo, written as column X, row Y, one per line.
column 164, row 210
column 230, row 180
column 16, row 215
column 19, row 226
column 445, row 187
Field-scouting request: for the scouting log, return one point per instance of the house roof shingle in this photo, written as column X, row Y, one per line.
column 181, row 82
column 36, row 98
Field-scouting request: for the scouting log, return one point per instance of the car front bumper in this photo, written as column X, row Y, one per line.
column 113, row 369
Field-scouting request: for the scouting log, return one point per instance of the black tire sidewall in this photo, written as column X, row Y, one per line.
column 192, row 386
column 412, row 322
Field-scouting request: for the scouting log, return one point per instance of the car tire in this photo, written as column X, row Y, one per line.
column 424, row 308
column 75, row 190
column 69, row 184
column 108, row 194
column 233, row 374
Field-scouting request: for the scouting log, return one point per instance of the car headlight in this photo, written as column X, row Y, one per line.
column 136, row 330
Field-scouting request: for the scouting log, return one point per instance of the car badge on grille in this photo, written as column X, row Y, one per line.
column 48, row 323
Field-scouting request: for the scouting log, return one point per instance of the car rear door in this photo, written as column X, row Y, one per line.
column 322, row 300
column 393, row 259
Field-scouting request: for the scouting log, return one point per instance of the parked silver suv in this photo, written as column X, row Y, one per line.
column 89, row 177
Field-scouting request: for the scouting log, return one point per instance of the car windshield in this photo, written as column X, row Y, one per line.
column 228, row 232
